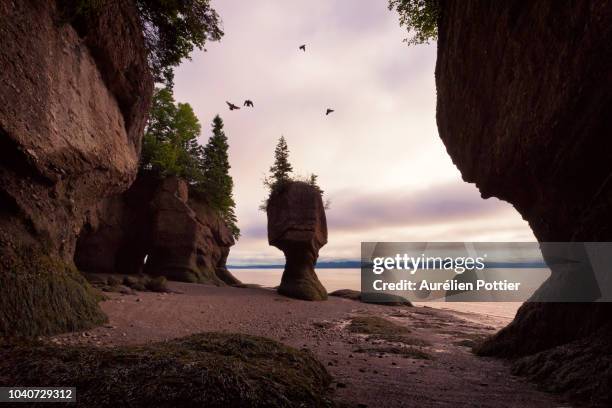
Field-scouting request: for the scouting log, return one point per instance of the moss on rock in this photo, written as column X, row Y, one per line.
column 207, row 369
column 42, row 295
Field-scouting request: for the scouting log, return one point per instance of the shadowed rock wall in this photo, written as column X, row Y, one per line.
column 72, row 109
column 524, row 100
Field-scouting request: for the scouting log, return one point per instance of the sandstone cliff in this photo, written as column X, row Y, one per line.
column 298, row 227
column 73, row 103
column 524, row 102
column 164, row 220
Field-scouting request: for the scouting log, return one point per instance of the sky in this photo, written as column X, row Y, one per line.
column 379, row 158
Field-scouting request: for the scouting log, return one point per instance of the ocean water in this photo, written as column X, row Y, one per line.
column 334, row 279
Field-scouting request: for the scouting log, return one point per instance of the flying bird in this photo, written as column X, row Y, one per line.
column 232, row 106
column 248, row 103
column 303, row 47
column 328, row 111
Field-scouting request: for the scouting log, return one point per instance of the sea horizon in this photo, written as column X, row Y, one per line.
column 350, row 278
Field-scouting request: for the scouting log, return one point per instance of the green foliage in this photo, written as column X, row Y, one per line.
column 420, row 17
column 313, row 181
column 171, row 29
column 282, row 169
column 170, row 146
column 217, row 182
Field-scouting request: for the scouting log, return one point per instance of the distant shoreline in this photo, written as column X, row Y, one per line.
column 319, row 265
column 357, row 265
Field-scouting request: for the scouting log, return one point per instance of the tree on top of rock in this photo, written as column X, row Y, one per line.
column 281, row 174
column 282, row 169
column 171, row 148
column 217, row 182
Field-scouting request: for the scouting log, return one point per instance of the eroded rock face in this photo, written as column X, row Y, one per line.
column 66, row 141
column 189, row 241
column 298, row 227
column 524, row 100
column 72, row 110
column 172, row 225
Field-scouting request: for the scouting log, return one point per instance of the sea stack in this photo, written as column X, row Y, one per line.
column 298, row 227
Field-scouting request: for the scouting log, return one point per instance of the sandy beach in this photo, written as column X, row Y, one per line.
column 367, row 371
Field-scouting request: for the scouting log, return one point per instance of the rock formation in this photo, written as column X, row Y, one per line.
column 524, row 101
column 164, row 220
column 73, row 102
column 298, row 227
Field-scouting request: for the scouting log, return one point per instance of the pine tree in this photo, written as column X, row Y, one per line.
column 313, row 181
column 282, row 169
column 280, row 172
column 217, row 182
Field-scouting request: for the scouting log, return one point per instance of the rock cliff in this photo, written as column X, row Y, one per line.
column 524, row 100
column 73, row 102
column 164, row 220
column 298, row 227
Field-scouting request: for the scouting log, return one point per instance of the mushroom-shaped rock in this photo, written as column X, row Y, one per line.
column 297, row 226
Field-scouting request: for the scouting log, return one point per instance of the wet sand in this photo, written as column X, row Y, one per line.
column 451, row 377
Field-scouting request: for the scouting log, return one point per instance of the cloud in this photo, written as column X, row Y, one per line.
column 437, row 204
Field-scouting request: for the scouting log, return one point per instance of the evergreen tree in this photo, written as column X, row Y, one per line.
column 280, row 172
column 313, row 181
column 282, row 169
column 217, row 182
column 171, row 148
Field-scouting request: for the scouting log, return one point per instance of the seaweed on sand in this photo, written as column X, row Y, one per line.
column 207, row 369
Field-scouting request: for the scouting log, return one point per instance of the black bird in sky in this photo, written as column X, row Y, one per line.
column 328, row 111
column 248, row 103
column 232, row 106
column 303, row 47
